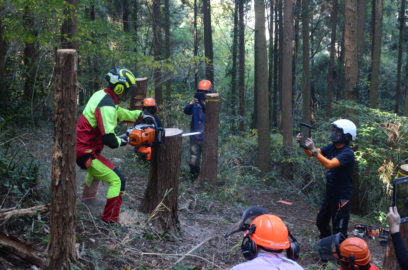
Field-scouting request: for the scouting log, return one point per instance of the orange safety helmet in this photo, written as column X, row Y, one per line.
column 270, row 232
column 205, row 85
column 149, row 102
column 355, row 250
column 142, row 136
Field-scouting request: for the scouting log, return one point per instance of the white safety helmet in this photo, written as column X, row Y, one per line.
column 347, row 126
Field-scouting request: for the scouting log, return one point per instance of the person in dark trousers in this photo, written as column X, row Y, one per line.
column 96, row 128
column 149, row 117
column 394, row 220
column 196, row 108
column 338, row 159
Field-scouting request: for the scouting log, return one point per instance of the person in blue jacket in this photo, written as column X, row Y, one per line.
column 196, row 108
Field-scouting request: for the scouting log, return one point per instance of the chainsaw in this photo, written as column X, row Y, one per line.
column 145, row 134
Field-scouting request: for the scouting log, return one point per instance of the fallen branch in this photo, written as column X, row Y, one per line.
column 15, row 213
column 190, row 255
column 21, row 250
column 194, row 248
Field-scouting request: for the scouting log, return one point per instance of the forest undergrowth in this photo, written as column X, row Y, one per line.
column 205, row 213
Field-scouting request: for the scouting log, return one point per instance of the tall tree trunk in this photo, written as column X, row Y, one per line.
column 361, row 11
column 376, row 54
column 61, row 249
column 261, row 78
column 125, row 15
column 297, row 16
column 270, row 63
column 306, row 64
column 276, row 69
column 241, row 63
column 406, row 91
column 208, row 44
column 350, row 46
column 3, row 48
column 287, row 116
column 399, row 64
column 29, row 59
column 195, row 44
column 234, row 49
column 167, row 42
column 331, row 71
column 157, row 50
column 69, row 26
column 281, row 61
column 160, row 198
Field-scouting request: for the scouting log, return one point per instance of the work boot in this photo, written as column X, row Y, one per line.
column 112, row 209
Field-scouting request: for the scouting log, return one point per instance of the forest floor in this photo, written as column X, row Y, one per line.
column 205, row 216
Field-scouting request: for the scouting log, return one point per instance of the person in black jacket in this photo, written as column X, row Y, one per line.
column 401, row 251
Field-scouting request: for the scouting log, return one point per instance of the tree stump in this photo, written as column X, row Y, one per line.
column 208, row 171
column 63, row 186
column 390, row 260
column 160, row 198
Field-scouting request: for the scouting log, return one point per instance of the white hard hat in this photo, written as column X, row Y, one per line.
column 347, row 126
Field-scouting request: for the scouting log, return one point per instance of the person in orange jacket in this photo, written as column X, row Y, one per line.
column 355, row 255
column 338, row 158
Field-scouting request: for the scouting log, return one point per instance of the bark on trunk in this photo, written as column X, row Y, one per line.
column 241, row 64
column 234, row 49
column 350, row 46
column 390, row 260
column 63, row 185
column 306, row 64
column 287, row 116
column 138, row 94
column 331, row 71
column 270, row 63
column 399, row 64
column 208, row 172
column 361, row 11
column 261, row 78
column 208, row 44
column 167, row 43
column 276, row 95
column 69, row 26
column 280, row 63
column 160, row 198
column 157, row 50
column 376, row 55
column 195, row 44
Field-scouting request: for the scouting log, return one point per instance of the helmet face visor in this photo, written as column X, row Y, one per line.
column 336, row 134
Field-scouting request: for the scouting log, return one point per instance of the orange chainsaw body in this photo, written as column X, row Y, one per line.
column 143, row 136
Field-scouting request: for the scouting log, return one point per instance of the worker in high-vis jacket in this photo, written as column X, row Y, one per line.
column 338, row 160
column 96, row 128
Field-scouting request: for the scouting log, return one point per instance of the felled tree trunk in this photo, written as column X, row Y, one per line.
column 160, row 198
column 63, row 184
column 208, row 172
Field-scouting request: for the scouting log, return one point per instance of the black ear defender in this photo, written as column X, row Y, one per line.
column 293, row 251
column 248, row 246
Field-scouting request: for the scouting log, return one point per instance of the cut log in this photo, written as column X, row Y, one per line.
column 208, row 172
column 16, row 213
column 21, row 250
column 160, row 198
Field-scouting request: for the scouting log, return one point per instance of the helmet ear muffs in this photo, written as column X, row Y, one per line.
column 118, row 89
column 293, row 251
column 248, row 246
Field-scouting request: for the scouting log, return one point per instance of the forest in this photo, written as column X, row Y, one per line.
column 272, row 65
